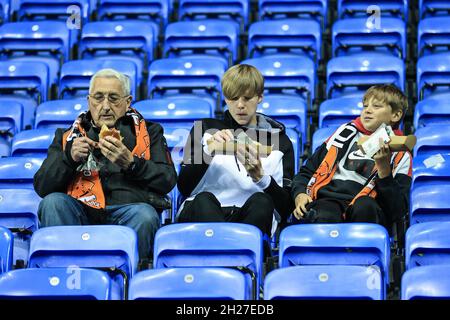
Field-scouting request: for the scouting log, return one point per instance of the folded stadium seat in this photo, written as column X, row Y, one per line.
column 205, row 37
column 320, row 136
column 18, row 173
column 362, row 244
column 112, row 249
column 187, row 77
column 297, row 145
column 11, row 118
column 366, row 8
column 6, row 250
column 426, row 283
column 361, row 35
column 430, row 170
column 427, row 244
column 189, row 283
column 59, row 113
column 288, row 75
column 280, row 9
column 76, row 75
column 153, row 10
column 432, row 8
column 235, row 10
column 34, row 10
column 235, row 245
column 432, row 111
column 432, row 140
column 24, row 81
column 335, row 112
column 433, row 35
column 353, row 75
column 18, row 213
column 71, row 283
column 433, row 75
column 4, row 11
column 129, row 40
column 32, row 143
column 324, row 282
column 296, row 36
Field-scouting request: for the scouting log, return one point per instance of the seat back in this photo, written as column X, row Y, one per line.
column 6, row 250
column 59, row 113
column 433, row 8
column 425, row 283
column 335, row 112
column 321, row 135
column 34, row 10
column 18, row 172
column 433, row 75
column 431, row 141
column 432, row 111
column 433, row 35
column 367, row 8
column 32, row 143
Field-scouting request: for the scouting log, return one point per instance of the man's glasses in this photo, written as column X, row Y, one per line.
column 112, row 98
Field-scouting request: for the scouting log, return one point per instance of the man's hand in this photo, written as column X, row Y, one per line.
column 248, row 156
column 383, row 160
column 81, row 147
column 116, row 152
column 301, row 200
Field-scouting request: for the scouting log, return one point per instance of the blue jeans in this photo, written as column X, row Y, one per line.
column 59, row 209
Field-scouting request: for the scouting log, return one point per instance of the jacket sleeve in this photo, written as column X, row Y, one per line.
column 157, row 174
column 194, row 165
column 306, row 172
column 57, row 170
column 281, row 195
column 393, row 191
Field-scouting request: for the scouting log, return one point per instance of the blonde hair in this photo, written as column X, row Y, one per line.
column 242, row 79
column 388, row 94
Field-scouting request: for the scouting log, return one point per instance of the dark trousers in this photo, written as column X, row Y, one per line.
column 257, row 211
column 365, row 209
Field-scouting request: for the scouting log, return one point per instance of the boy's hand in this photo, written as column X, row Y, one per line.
column 248, row 156
column 383, row 160
column 301, row 200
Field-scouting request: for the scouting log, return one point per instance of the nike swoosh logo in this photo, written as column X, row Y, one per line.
column 355, row 155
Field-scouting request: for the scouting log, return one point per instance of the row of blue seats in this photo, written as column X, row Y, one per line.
column 354, row 265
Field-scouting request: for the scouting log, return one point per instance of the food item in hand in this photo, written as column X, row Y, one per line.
column 105, row 131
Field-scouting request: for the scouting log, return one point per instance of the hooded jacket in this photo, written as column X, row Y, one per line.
column 226, row 177
column 354, row 169
column 147, row 181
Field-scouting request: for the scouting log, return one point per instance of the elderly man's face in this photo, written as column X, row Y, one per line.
column 107, row 101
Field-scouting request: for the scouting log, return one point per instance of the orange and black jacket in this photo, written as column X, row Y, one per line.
column 148, row 181
column 351, row 171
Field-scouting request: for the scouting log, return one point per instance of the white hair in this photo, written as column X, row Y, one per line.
column 111, row 73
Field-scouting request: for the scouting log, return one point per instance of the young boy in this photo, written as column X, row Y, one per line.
column 339, row 183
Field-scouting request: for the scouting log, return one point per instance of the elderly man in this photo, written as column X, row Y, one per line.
column 90, row 180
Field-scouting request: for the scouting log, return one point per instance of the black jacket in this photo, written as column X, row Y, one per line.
column 191, row 174
column 149, row 181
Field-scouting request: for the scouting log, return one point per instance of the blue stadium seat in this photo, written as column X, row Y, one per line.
column 129, row 40
column 433, row 75
column 18, row 213
column 35, row 10
column 59, row 113
column 366, row 8
column 205, row 37
column 11, row 118
column 429, row 202
column 335, row 112
column 6, row 250
column 27, row 104
column 362, row 244
column 321, row 135
column 287, row 75
column 432, row 140
column 189, row 283
column 75, row 75
column 24, row 80
column 109, row 248
column 211, row 245
column 33, row 143
column 433, row 35
column 55, row 284
column 153, row 10
column 324, row 282
column 436, row 172
column 432, row 111
column 297, row 145
column 4, row 11
column 356, row 73
column 432, row 8
column 235, row 10
column 360, row 35
column 280, row 9
column 427, row 244
column 190, row 76
column 426, row 283
column 296, row 36
column 18, row 173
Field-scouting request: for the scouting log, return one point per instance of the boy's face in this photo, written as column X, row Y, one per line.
column 376, row 112
column 243, row 108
